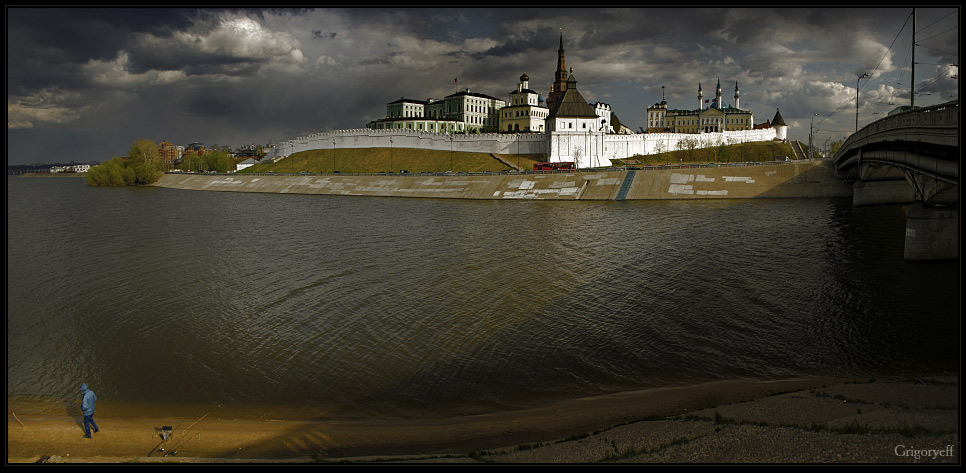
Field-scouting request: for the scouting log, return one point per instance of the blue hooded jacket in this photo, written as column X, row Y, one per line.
column 87, row 400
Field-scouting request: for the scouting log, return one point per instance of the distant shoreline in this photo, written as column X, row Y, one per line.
column 52, row 174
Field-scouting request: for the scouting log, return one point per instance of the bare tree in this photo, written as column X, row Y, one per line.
column 688, row 144
column 660, row 147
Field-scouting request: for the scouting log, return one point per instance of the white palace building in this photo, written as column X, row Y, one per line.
column 564, row 127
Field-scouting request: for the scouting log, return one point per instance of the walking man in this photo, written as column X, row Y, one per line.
column 88, row 398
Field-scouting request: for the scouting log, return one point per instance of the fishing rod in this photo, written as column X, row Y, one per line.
column 167, row 438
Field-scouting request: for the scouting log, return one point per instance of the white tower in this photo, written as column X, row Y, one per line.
column 736, row 95
column 717, row 95
column 700, row 96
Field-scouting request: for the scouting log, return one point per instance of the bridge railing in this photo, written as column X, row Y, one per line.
column 944, row 115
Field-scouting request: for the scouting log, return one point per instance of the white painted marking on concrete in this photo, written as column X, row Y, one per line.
column 496, row 193
column 680, row 189
column 527, row 185
column 723, row 192
column 701, row 178
column 681, row 178
column 771, row 173
column 611, row 181
column 746, row 180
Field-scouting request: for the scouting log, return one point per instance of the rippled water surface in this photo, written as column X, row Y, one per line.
column 378, row 305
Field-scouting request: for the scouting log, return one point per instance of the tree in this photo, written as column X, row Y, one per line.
column 834, row 147
column 659, row 146
column 722, row 151
column 117, row 172
column 143, row 151
column 688, row 145
column 218, row 161
column 145, row 162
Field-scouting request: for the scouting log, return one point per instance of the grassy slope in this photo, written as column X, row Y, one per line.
column 368, row 160
column 747, row 152
column 381, row 159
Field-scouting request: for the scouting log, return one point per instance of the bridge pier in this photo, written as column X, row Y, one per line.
column 932, row 233
column 882, row 192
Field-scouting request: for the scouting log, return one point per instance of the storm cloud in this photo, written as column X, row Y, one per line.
column 84, row 83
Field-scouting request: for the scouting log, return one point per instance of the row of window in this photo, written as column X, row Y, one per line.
column 436, row 109
column 704, row 121
column 525, row 113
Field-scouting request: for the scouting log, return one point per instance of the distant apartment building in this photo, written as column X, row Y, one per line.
column 169, row 154
column 246, row 151
column 70, row 168
column 196, row 149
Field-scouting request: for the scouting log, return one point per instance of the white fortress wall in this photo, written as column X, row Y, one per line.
column 598, row 150
column 593, row 149
column 522, row 143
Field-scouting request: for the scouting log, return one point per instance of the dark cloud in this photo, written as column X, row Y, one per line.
column 319, row 34
column 94, row 79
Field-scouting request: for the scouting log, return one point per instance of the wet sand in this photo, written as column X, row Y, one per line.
column 801, row 420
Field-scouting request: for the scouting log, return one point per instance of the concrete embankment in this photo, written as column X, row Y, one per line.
column 786, row 180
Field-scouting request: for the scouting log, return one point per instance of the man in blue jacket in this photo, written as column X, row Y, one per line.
column 87, row 407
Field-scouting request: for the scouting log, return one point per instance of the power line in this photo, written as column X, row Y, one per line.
column 888, row 50
column 938, row 50
column 937, row 21
column 938, row 34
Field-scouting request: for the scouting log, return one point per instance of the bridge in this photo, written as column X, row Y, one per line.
column 911, row 157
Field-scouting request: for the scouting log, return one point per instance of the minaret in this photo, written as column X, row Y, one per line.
column 736, row 95
column 717, row 95
column 700, row 96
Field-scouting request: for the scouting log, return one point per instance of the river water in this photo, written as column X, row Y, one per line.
column 361, row 306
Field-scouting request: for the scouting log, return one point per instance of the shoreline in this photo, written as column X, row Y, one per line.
column 566, row 431
column 51, row 174
column 807, row 179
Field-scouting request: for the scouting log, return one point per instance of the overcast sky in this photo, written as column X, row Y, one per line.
column 83, row 84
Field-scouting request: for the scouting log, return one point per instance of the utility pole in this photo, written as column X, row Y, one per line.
column 912, row 89
column 863, row 76
column 811, row 131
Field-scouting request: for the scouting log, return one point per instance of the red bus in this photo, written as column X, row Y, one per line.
column 555, row 166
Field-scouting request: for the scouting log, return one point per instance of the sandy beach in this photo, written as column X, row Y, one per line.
column 896, row 420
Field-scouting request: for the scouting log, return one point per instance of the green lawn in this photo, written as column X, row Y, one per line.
column 368, row 160
column 762, row 151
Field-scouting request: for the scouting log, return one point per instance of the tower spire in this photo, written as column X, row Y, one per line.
column 560, row 77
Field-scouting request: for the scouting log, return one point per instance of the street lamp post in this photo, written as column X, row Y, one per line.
column 390, row 154
column 333, row 156
column 863, row 76
column 811, row 131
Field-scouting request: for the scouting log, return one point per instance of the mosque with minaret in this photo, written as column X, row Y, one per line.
column 711, row 115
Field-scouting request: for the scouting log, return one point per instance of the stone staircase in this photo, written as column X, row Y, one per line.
column 505, row 163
